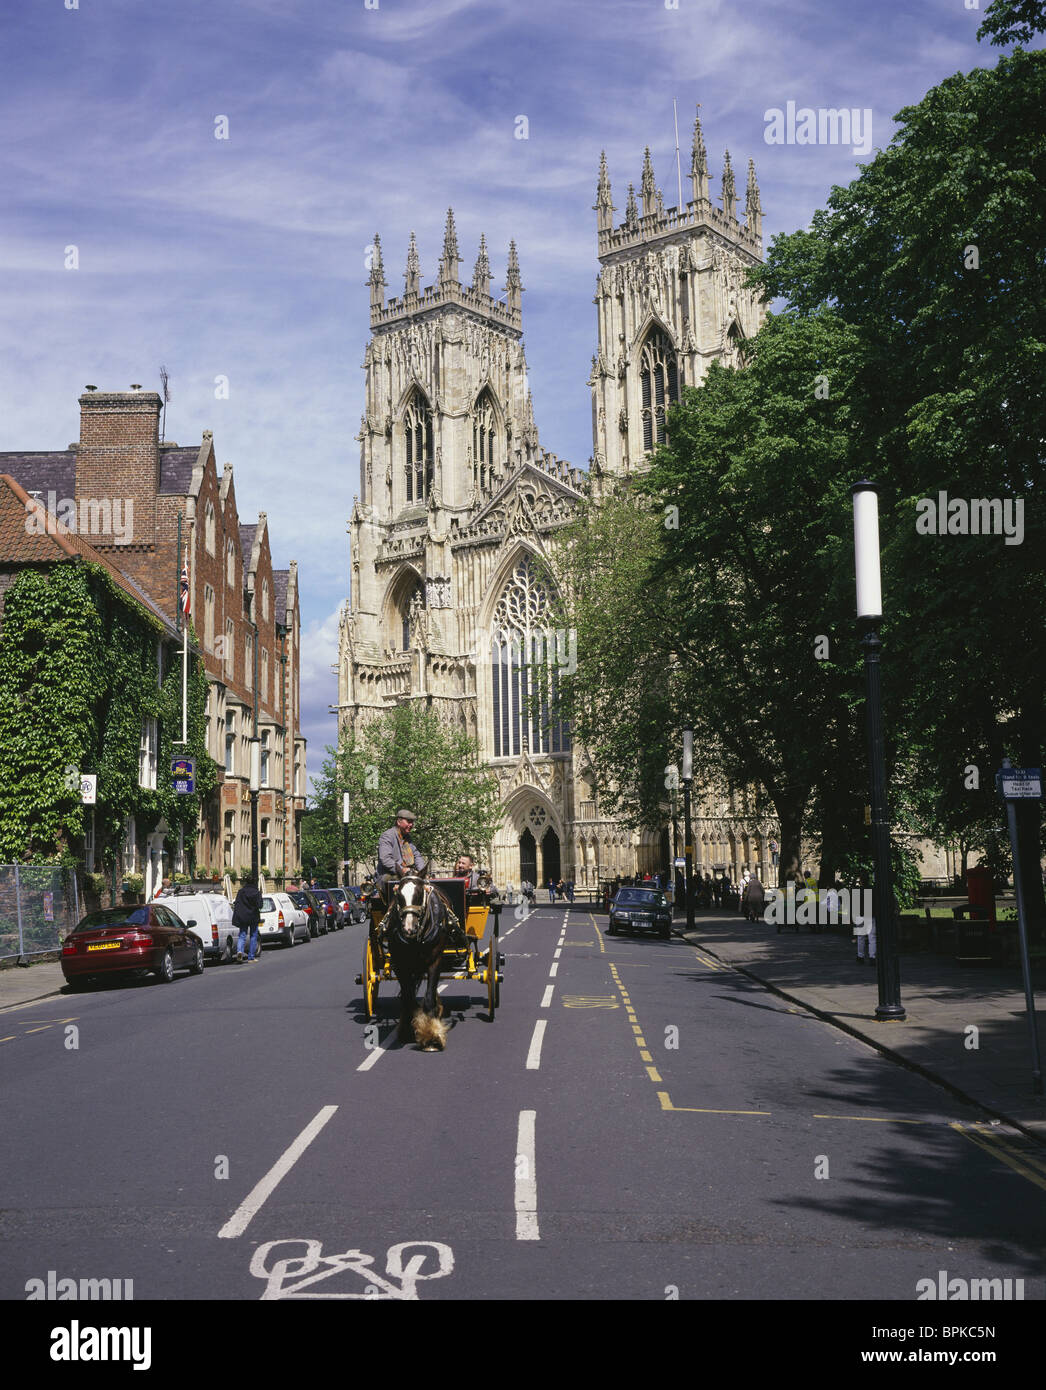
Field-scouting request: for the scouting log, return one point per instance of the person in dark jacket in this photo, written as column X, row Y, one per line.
column 246, row 914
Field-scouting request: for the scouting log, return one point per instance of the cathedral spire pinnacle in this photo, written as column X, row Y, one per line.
column 604, row 207
column 729, row 191
column 481, row 273
column 413, row 273
column 631, row 211
column 699, row 163
column 448, row 266
column 647, row 186
column 377, row 279
column 753, row 208
column 513, row 284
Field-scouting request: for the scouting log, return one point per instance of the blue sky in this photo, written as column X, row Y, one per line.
column 246, row 257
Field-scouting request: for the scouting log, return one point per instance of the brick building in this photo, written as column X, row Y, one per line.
column 136, row 499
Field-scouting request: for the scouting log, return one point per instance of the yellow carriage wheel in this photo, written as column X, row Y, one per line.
column 493, row 992
column 370, row 982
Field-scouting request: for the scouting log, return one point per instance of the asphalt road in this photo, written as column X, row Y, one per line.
column 637, row 1122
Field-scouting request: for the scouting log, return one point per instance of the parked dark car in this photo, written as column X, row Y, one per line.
column 640, row 909
column 130, row 939
column 314, row 910
column 351, row 907
column 331, row 906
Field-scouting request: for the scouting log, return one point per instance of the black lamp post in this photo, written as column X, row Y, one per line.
column 255, row 784
column 688, row 846
column 869, row 617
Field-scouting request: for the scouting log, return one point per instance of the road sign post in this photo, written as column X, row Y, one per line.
column 1018, row 784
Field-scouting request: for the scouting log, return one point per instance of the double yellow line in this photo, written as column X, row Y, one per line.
column 651, row 1070
column 1016, row 1154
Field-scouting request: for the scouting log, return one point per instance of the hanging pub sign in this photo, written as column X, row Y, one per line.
column 183, row 773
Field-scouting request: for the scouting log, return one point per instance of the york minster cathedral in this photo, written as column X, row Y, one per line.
column 459, row 503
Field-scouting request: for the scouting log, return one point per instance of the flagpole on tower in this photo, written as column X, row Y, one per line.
column 679, row 170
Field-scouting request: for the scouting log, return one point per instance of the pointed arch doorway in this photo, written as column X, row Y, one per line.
column 528, row 858
column 550, row 857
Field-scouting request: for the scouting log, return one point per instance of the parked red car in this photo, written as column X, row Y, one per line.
column 142, row 939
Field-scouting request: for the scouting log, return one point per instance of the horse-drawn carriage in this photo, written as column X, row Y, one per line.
column 456, row 951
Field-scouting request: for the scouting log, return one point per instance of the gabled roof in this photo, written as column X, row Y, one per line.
column 30, row 535
column 43, row 472
column 247, row 534
column 279, row 593
column 176, row 466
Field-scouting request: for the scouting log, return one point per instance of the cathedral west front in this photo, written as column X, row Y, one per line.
column 460, row 503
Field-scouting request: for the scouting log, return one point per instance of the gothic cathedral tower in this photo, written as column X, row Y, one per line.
column 669, row 299
column 459, row 503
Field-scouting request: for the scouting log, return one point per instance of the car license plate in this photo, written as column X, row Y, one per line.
column 105, row 946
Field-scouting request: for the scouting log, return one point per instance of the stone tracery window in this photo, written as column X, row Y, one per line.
column 524, row 672
column 417, row 427
column 659, row 386
column 484, row 441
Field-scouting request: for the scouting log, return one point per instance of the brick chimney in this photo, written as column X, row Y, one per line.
column 118, row 467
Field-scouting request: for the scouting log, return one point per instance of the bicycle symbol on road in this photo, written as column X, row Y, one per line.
column 301, row 1265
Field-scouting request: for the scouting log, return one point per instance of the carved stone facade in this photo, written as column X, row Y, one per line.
column 459, row 503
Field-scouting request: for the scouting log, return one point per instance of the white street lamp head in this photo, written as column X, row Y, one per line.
column 688, row 754
column 866, row 550
column 255, row 784
column 345, row 808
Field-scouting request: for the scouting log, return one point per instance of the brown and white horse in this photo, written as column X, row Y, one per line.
column 417, row 932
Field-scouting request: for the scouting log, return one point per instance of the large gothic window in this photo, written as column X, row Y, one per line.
column 484, row 441
column 417, row 426
column 526, row 655
column 659, row 385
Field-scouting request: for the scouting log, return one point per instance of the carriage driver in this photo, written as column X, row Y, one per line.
column 396, row 853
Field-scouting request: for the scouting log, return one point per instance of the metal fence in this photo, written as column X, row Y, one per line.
column 39, row 905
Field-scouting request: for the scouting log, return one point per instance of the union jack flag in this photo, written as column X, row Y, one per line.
column 185, row 590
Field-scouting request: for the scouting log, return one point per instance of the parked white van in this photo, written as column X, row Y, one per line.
column 212, row 914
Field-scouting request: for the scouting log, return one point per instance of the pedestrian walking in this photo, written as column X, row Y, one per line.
column 551, row 891
column 864, row 931
column 570, row 890
column 246, row 914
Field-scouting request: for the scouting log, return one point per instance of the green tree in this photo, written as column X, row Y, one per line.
column 1013, row 21
column 935, row 258
column 407, row 758
column 736, row 550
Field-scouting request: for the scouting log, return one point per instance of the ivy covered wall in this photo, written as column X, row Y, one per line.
column 78, row 674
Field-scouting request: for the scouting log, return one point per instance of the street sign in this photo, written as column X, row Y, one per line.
column 680, row 863
column 1020, row 783
column 183, row 772
column 89, row 788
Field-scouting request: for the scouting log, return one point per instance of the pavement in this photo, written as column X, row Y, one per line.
column 966, row 1026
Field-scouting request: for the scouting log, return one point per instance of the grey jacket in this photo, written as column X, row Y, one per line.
column 390, row 858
